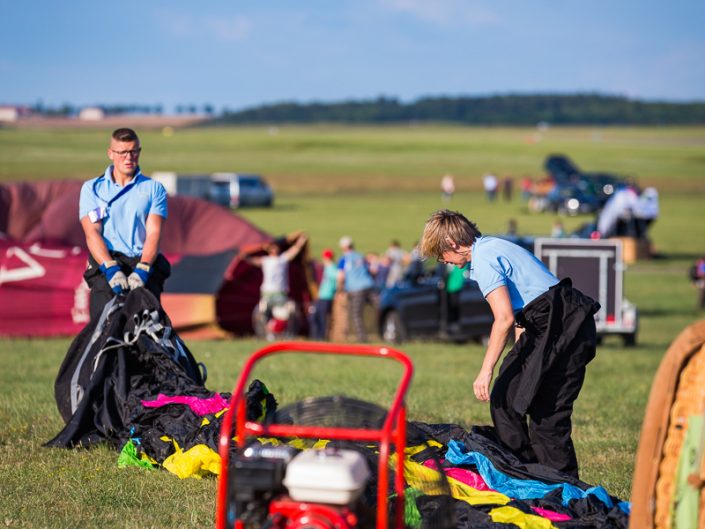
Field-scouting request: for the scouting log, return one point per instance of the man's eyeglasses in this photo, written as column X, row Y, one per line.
column 125, row 154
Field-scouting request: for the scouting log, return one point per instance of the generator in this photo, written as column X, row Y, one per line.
column 328, row 483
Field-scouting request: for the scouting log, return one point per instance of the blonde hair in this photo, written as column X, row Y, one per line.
column 445, row 228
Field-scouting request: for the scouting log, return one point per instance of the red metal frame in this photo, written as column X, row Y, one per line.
column 393, row 430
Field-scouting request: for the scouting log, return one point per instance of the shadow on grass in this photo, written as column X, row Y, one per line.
column 676, row 256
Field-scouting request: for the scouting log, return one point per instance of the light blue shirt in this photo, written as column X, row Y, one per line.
column 496, row 263
column 326, row 290
column 357, row 277
column 125, row 219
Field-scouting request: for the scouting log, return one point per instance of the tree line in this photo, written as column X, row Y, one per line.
column 576, row 109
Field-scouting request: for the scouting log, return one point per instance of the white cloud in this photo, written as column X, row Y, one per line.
column 228, row 29
column 221, row 29
column 445, row 13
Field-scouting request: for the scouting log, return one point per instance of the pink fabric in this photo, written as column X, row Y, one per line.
column 198, row 405
column 551, row 515
column 474, row 480
column 468, row 477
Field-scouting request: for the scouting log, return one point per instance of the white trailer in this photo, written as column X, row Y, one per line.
column 596, row 268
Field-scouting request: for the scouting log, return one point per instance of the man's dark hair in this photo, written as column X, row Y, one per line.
column 125, row 134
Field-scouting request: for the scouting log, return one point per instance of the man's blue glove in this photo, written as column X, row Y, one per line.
column 116, row 279
column 139, row 276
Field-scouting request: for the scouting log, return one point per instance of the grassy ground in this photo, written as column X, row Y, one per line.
column 375, row 185
column 328, row 159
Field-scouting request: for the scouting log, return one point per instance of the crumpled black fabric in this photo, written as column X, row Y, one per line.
column 466, row 516
column 117, row 376
column 185, row 427
column 483, row 440
column 586, row 513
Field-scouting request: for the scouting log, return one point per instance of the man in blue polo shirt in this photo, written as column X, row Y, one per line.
column 355, row 280
column 122, row 213
column 542, row 375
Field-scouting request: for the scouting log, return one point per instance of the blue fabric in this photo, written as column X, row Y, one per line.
column 124, row 224
column 520, row 489
column 496, row 262
column 357, row 276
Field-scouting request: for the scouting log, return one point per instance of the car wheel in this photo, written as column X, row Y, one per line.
column 629, row 340
column 392, row 328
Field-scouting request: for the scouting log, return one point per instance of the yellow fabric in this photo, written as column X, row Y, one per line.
column 149, row 459
column 201, row 460
column 413, row 450
column 196, row 462
column 520, row 519
column 427, row 480
column 423, row 478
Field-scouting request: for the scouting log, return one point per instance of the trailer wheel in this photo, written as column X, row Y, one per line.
column 630, row 340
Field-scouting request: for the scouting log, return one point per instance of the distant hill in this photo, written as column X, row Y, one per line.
column 578, row 109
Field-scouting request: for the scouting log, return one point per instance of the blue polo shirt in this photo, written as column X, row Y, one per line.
column 496, row 263
column 357, row 277
column 125, row 220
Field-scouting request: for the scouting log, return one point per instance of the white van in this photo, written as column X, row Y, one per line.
column 227, row 189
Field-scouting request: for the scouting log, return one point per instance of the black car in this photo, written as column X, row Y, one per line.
column 418, row 309
column 577, row 191
column 572, row 199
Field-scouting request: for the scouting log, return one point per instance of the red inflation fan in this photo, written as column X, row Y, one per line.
column 278, row 487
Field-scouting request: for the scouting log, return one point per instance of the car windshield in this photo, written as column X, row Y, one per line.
column 250, row 183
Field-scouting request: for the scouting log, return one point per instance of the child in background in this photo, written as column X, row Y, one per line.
column 321, row 309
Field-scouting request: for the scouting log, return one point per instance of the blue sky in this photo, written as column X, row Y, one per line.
column 238, row 54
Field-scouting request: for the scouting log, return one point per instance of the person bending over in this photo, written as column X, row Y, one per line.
column 540, row 378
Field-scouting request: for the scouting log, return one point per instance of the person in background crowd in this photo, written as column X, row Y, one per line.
column 526, row 187
column 356, row 281
column 275, row 272
column 697, row 276
column 415, row 269
column 396, row 255
column 455, row 279
column 542, row 375
column 378, row 266
column 447, row 187
column 490, row 185
column 557, row 231
column 321, row 309
column 507, row 188
column 122, row 213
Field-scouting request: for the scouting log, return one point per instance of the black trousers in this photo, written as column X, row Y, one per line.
column 101, row 292
column 546, row 436
column 318, row 319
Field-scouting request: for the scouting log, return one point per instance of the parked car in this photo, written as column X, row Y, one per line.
column 227, row 189
column 590, row 190
column 572, row 199
column 418, row 310
column 246, row 190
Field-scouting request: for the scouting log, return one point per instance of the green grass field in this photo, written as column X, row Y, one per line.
column 374, row 184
